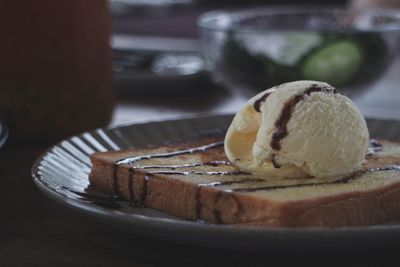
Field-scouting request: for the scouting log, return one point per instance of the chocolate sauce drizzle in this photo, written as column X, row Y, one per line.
column 343, row 180
column 140, row 202
column 230, row 182
column 274, row 163
column 199, row 205
column 286, row 113
column 217, row 213
column 130, row 160
column 258, row 102
column 195, row 164
column 115, row 191
column 131, row 172
column 220, row 173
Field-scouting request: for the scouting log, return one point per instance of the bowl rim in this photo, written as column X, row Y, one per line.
column 235, row 15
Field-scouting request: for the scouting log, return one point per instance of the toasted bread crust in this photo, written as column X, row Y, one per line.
column 187, row 200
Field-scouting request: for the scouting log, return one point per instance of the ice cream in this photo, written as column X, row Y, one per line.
column 298, row 129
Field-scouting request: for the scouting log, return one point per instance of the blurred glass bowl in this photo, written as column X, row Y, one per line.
column 256, row 48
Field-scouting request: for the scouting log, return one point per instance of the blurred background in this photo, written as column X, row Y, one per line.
column 122, row 61
column 178, row 69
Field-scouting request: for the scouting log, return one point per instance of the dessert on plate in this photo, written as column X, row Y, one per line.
column 298, row 154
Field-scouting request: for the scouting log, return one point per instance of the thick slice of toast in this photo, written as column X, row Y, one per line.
column 194, row 180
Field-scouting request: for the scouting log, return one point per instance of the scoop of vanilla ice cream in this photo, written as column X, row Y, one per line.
column 298, row 129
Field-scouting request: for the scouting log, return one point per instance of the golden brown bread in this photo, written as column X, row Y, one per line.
column 200, row 184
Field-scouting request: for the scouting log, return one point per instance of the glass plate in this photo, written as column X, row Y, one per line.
column 62, row 174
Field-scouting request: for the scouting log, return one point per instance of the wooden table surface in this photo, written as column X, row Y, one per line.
column 36, row 231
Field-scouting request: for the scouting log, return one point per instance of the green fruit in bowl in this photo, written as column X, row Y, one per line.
column 347, row 61
column 336, row 63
